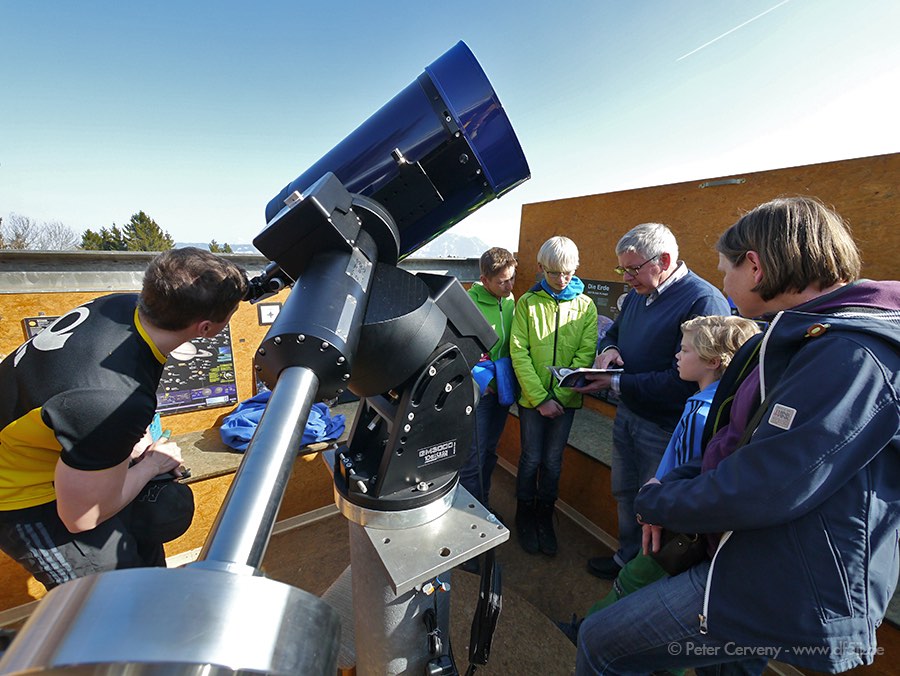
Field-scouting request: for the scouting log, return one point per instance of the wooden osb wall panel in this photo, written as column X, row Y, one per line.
column 246, row 335
column 864, row 191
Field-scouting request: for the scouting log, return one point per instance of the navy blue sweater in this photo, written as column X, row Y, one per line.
column 649, row 337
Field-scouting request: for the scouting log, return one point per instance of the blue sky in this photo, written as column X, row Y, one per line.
column 198, row 113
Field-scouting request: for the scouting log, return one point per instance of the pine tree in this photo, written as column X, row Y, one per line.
column 110, row 239
column 143, row 234
column 217, row 248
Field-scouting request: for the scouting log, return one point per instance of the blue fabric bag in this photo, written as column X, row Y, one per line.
column 507, row 386
column 239, row 426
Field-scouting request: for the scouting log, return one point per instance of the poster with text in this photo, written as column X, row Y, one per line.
column 198, row 374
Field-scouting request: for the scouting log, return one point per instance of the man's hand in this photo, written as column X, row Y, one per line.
column 608, row 359
column 550, row 409
column 164, row 455
column 594, row 382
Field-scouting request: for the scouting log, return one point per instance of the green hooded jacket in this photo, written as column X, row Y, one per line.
column 547, row 332
column 499, row 314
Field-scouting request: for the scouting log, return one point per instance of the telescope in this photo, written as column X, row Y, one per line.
column 353, row 321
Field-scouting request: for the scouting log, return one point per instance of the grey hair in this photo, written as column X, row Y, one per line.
column 649, row 239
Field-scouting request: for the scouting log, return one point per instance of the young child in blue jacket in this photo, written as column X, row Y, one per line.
column 707, row 347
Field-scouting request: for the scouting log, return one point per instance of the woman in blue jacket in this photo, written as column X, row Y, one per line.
column 802, row 483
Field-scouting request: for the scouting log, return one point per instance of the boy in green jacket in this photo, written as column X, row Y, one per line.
column 493, row 297
column 554, row 324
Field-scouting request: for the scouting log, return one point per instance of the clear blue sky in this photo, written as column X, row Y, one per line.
column 199, row 112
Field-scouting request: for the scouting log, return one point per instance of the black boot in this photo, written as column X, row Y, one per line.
column 526, row 528
column 545, row 533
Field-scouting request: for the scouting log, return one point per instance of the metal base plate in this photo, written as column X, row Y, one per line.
column 413, row 556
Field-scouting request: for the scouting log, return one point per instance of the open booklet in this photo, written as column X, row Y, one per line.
column 575, row 377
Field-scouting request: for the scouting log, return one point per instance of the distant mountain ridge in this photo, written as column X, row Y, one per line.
column 448, row 245
column 451, row 245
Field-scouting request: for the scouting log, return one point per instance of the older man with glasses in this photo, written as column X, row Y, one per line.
column 644, row 340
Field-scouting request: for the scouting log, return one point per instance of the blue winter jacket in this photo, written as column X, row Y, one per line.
column 810, row 505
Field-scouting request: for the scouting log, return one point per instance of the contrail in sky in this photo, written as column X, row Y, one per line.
column 729, row 32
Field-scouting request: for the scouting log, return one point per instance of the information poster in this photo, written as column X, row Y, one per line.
column 199, row 374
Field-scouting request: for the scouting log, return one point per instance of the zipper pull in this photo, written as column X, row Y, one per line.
column 703, row 628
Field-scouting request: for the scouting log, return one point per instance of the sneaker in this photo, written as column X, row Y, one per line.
column 570, row 629
column 604, row 567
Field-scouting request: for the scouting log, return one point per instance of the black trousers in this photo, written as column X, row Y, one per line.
column 36, row 538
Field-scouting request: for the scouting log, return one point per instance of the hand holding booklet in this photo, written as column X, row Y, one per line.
column 576, row 377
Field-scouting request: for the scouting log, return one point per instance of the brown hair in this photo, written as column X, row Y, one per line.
column 496, row 259
column 182, row 286
column 718, row 337
column 800, row 243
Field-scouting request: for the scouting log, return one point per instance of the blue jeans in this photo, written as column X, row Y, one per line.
column 638, row 446
column 540, row 463
column 657, row 628
column 490, row 419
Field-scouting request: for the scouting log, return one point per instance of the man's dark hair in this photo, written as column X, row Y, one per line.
column 182, row 286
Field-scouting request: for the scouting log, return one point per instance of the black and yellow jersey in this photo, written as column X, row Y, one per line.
column 83, row 390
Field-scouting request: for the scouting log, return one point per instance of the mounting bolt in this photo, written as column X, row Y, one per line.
column 448, row 387
column 324, row 346
column 341, row 360
column 432, row 371
column 277, row 340
column 410, row 416
column 301, row 338
column 407, row 428
column 422, row 486
column 345, row 377
column 262, row 352
column 468, row 410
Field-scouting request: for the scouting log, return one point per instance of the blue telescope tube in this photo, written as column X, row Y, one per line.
column 432, row 155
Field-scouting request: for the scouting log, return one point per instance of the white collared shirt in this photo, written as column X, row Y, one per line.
column 680, row 272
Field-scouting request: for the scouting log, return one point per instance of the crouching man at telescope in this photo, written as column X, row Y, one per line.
column 75, row 405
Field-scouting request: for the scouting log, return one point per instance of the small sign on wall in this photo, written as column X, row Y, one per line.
column 267, row 312
column 34, row 325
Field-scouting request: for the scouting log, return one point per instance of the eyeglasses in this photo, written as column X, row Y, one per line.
column 564, row 273
column 633, row 271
